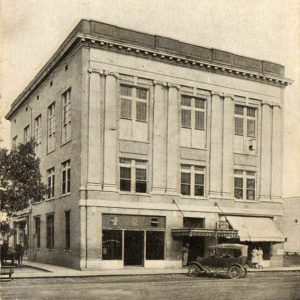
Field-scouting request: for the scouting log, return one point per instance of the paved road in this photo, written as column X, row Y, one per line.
column 283, row 286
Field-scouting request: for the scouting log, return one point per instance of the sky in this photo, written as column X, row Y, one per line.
column 31, row 30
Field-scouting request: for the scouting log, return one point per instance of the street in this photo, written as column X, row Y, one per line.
column 267, row 286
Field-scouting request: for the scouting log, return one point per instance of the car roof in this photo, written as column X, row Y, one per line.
column 228, row 246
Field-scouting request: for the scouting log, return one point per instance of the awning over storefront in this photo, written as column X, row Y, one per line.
column 190, row 232
column 255, row 229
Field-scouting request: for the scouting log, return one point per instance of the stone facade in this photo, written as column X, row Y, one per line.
column 95, row 62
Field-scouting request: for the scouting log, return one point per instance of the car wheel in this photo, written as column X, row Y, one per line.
column 235, row 272
column 194, row 270
column 244, row 273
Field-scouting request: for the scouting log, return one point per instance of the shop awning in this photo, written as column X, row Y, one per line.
column 190, row 232
column 255, row 229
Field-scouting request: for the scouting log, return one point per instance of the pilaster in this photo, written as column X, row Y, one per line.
column 216, row 142
column 110, row 133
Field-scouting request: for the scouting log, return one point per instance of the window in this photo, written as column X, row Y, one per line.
column 111, row 244
column 51, row 183
column 193, row 222
column 26, row 134
column 66, row 116
column 133, row 175
column 245, row 121
column 38, row 129
column 134, row 103
column 244, row 185
column 51, row 128
column 192, row 180
column 37, row 229
column 192, row 112
column 50, row 232
column 67, row 230
column 155, row 243
column 66, row 177
column 14, row 141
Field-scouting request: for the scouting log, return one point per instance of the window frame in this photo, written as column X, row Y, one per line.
column 245, row 175
column 193, row 110
column 37, row 232
column 192, row 170
column 50, row 231
column 66, row 118
column 51, row 180
column 134, row 101
column 26, row 138
column 51, row 127
column 38, row 129
column 245, row 120
column 66, row 177
column 67, row 230
column 134, row 165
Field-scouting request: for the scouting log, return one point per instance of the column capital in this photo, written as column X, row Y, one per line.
column 217, row 93
column 265, row 103
column 162, row 83
column 229, row 96
column 176, row 86
column 113, row 74
column 97, row 71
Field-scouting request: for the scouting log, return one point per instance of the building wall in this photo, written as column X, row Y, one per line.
column 39, row 102
column 291, row 220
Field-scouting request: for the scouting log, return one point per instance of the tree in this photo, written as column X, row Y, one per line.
column 20, row 178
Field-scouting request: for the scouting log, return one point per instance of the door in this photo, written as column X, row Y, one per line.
column 134, row 248
column 196, row 248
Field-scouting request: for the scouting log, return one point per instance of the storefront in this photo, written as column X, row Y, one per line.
column 133, row 240
column 259, row 232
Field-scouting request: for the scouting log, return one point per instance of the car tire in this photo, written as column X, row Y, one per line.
column 235, row 272
column 244, row 273
column 194, row 270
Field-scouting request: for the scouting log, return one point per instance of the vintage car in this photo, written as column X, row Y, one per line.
column 226, row 259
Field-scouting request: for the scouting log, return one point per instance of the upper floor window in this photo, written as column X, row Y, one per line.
column 14, row 141
column 244, row 185
column 51, row 183
column 192, row 112
column 66, row 116
column 26, row 134
column 38, row 129
column 51, row 128
column 192, row 180
column 66, row 177
column 245, row 121
column 133, row 175
column 134, row 103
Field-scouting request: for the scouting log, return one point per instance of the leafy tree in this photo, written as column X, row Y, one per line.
column 20, row 178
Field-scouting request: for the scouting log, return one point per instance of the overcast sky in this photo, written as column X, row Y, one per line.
column 265, row 29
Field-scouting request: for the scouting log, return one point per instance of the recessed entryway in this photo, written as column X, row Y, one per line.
column 133, row 248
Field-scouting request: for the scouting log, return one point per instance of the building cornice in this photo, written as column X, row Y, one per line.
column 129, row 42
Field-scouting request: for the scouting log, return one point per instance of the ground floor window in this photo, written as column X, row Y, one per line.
column 50, row 232
column 111, row 244
column 155, row 241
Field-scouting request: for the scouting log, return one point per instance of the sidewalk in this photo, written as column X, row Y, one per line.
column 39, row 270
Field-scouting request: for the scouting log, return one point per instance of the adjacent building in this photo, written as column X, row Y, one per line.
column 149, row 144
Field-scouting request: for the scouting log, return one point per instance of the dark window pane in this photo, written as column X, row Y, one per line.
column 185, row 189
column 250, row 194
column 238, row 182
column 50, row 232
column 141, row 111
column 238, row 109
column 186, row 100
column 251, row 128
column 38, row 232
column 239, row 126
column 155, row 244
column 125, row 109
column 199, row 103
column 251, row 112
column 67, row 231
column 111, row 244
column 141, row 174
column 238, row 193
column 141, row 186
column 125, row 173
column 250, row 183
column 125, row 185
column 199, row 119
column 186, row 118
column 126, row 90
column 199, row 179
column 141, row 93
column 185, row 178
column 199, row 190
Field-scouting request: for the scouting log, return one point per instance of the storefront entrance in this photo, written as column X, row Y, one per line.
column 133, row 248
